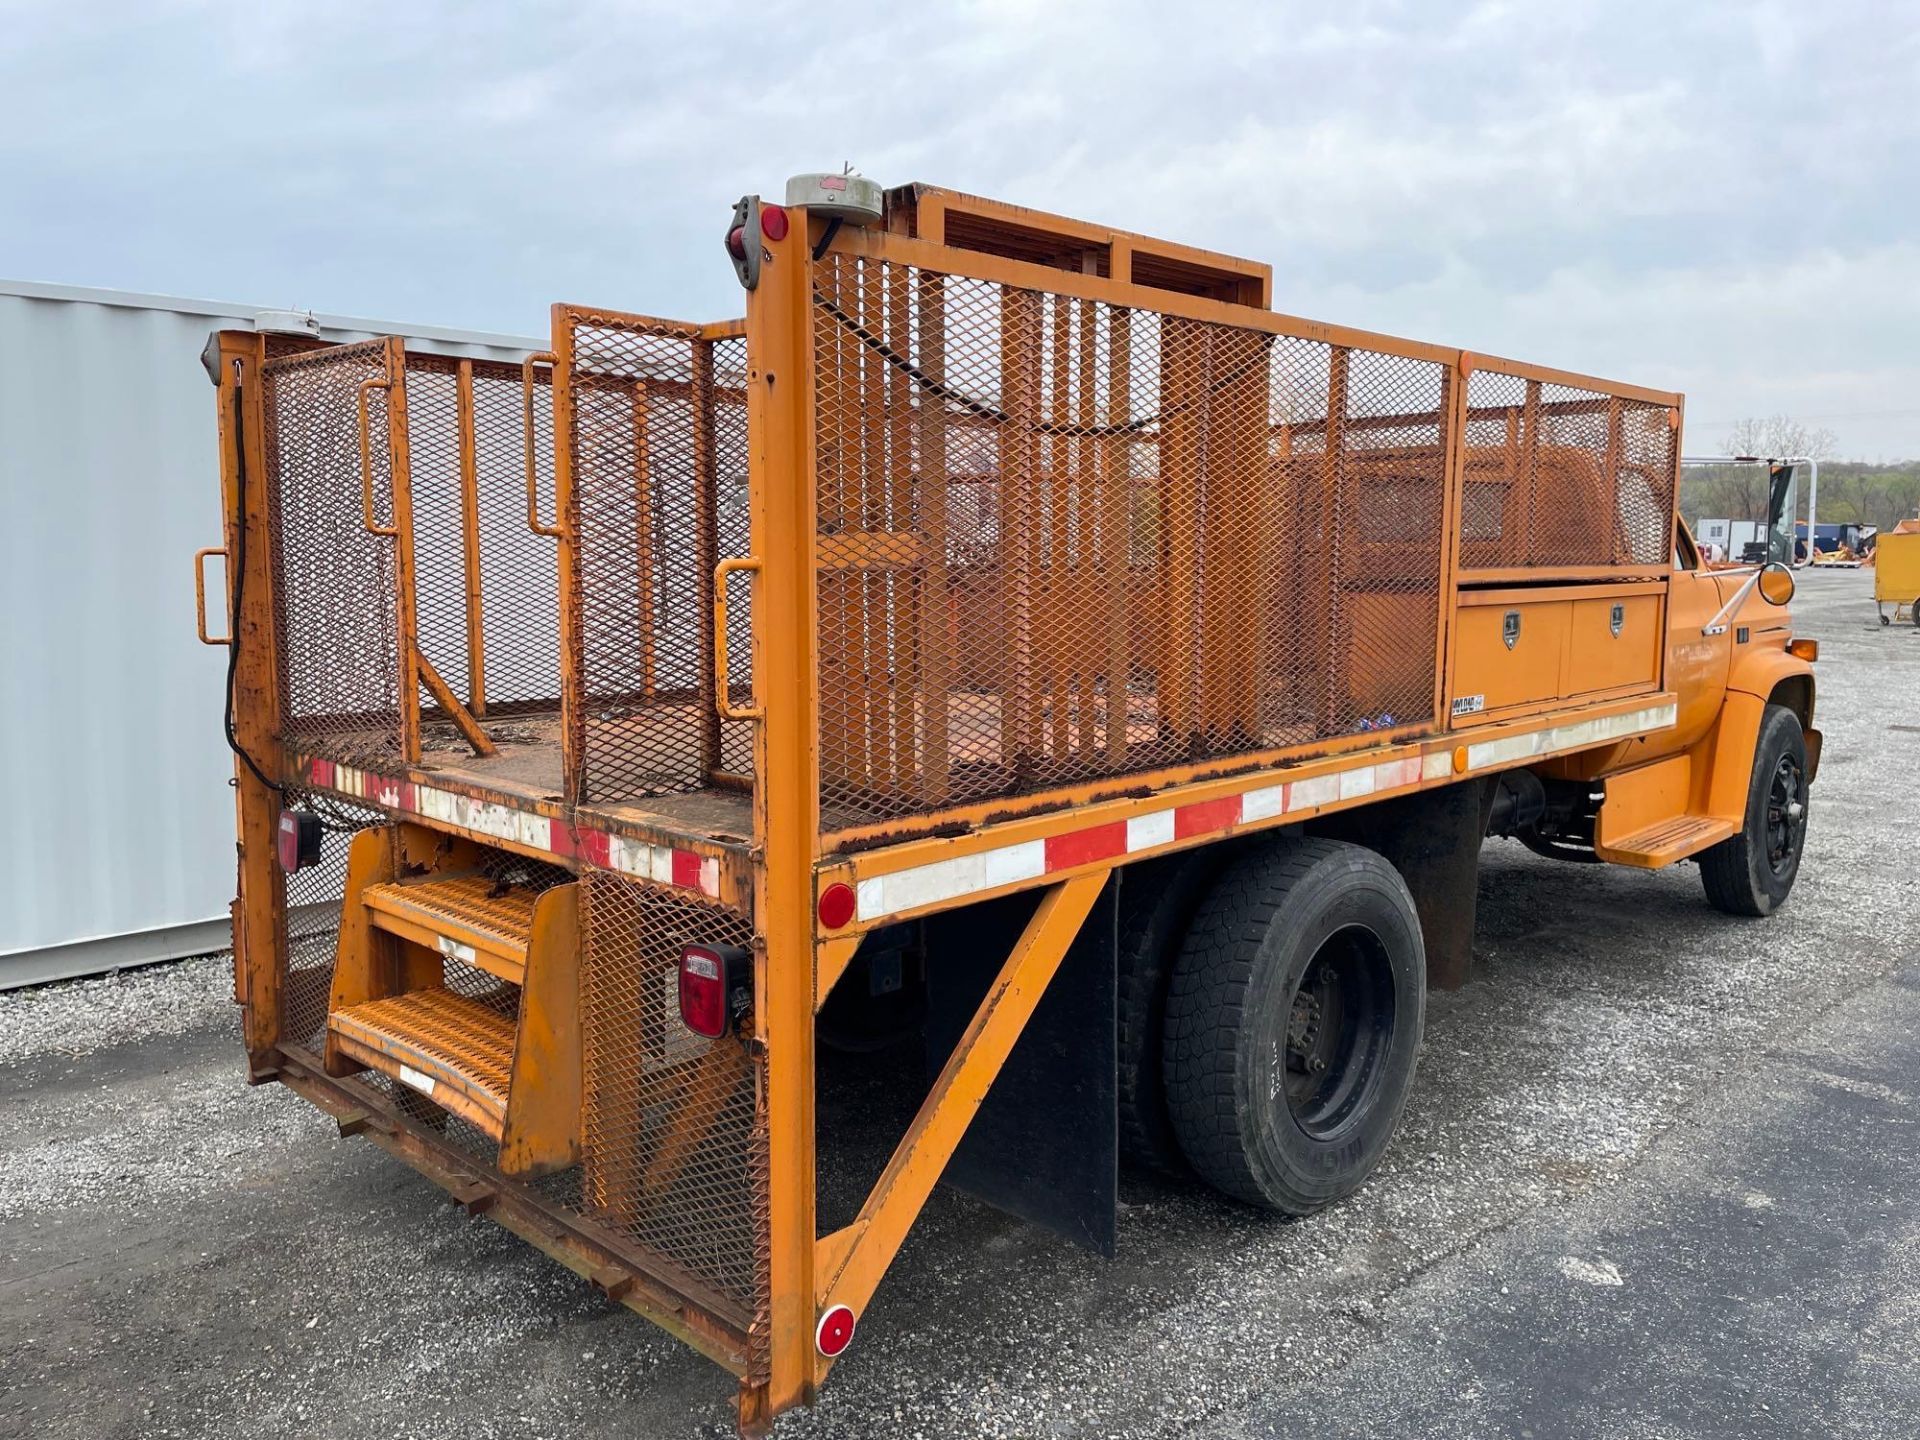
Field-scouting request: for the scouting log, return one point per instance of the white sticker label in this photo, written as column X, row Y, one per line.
column 1469, row 704
column 411, row 1076
column 454, row 950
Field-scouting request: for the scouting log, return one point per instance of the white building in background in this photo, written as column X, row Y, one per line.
column 117, row 846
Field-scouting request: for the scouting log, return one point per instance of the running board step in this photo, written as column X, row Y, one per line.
column 467, row 917
column 1666, row 841
column 455, row 1050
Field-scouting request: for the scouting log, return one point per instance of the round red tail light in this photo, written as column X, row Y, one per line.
column 835, row 1331
column 773, row 222
column 836, row 905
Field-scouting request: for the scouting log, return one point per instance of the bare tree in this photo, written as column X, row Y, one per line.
column 1777, row 435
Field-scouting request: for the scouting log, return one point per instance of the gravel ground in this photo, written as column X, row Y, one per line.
column 1657, row 1178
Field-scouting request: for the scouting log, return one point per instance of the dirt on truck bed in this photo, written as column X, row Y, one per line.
column 1659, row 1177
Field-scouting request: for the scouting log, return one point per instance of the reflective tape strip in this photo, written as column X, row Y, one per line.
column 943, row 881
column 661, row 864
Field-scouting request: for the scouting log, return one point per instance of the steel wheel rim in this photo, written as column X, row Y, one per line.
column 1340, row 1020
column 1786, row 815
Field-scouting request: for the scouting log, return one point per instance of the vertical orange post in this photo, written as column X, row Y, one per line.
column 260, row 938
column 470, row 544
column 1529, row 473
column 1610, row 482
column 400, row 472
column 1116, row 539
column 1333, row 508
column 1056, row 612
column 573, row 697
column 706, row 547
column 870, row 579
column 902, row 571
column 780, row 436
column 1019, row 460
column 934, row 659
column 1453, row 444
column 643, row 524
column 1183, row 389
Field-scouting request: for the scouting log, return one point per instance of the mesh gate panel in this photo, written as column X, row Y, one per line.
column 519, row 570
column 674, row 1141
column 517, row 576
column 1061, row 539
column 647, row 439
column 334, row 582
column 1558, row 476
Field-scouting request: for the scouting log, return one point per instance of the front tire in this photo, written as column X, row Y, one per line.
column 1293, row 1023
column 1752, row 872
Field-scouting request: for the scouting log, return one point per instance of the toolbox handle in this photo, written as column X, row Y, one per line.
column 374, row 527
column 533, row 479
column 200, row 595
column 736, row 564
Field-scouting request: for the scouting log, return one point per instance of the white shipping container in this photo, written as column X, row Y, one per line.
column 118, row 845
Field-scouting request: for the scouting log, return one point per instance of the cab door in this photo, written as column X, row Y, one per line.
column 1696, row 662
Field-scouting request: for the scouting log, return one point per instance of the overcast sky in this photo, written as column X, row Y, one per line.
column 1717, row 198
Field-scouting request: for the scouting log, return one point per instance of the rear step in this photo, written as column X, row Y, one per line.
column 455, row 1050
column 418, row 905
column 1666, row 841
column 469, row 918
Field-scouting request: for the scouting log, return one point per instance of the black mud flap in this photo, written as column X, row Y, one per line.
column 1045, row 1144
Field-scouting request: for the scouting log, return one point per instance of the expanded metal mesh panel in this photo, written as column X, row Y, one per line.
column 334, row 581
column 645, row 442
column 487, row 598
column 436, row 473
column 312, row 897
column 674, row 1142
column 1557, row 476
column 519, row 570
column 1061, row 539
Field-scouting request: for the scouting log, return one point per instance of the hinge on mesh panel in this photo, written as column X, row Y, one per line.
column 743, row 240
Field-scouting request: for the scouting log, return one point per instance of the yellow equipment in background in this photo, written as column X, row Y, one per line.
column 1896, row 573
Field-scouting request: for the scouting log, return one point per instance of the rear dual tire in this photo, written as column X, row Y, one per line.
column 1292, row 1023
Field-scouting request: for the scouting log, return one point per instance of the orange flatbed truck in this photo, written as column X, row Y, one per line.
column 1012, row 632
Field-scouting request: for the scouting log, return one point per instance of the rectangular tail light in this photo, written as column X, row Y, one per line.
column 299, row 840
column 716, row 988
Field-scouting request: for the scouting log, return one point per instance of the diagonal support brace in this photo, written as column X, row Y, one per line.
column 853, row 1260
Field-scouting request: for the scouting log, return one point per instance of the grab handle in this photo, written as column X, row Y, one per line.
column 533, row 479
column 734, row 565
column 374, row 527
column 200, row 595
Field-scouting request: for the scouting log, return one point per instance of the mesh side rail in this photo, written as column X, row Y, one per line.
column 674, row 1142
column 335, row 589
column 1557, row 476
column 656, row 453
column 1060, row 539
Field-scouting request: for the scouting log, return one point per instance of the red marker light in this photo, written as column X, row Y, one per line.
column 737, row 242
column 773, row 222
column 836, row 905
column 834, row 1332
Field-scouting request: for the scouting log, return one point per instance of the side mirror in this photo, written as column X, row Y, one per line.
column 1776, row 583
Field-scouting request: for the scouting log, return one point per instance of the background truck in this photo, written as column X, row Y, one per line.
column 1011, row 633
